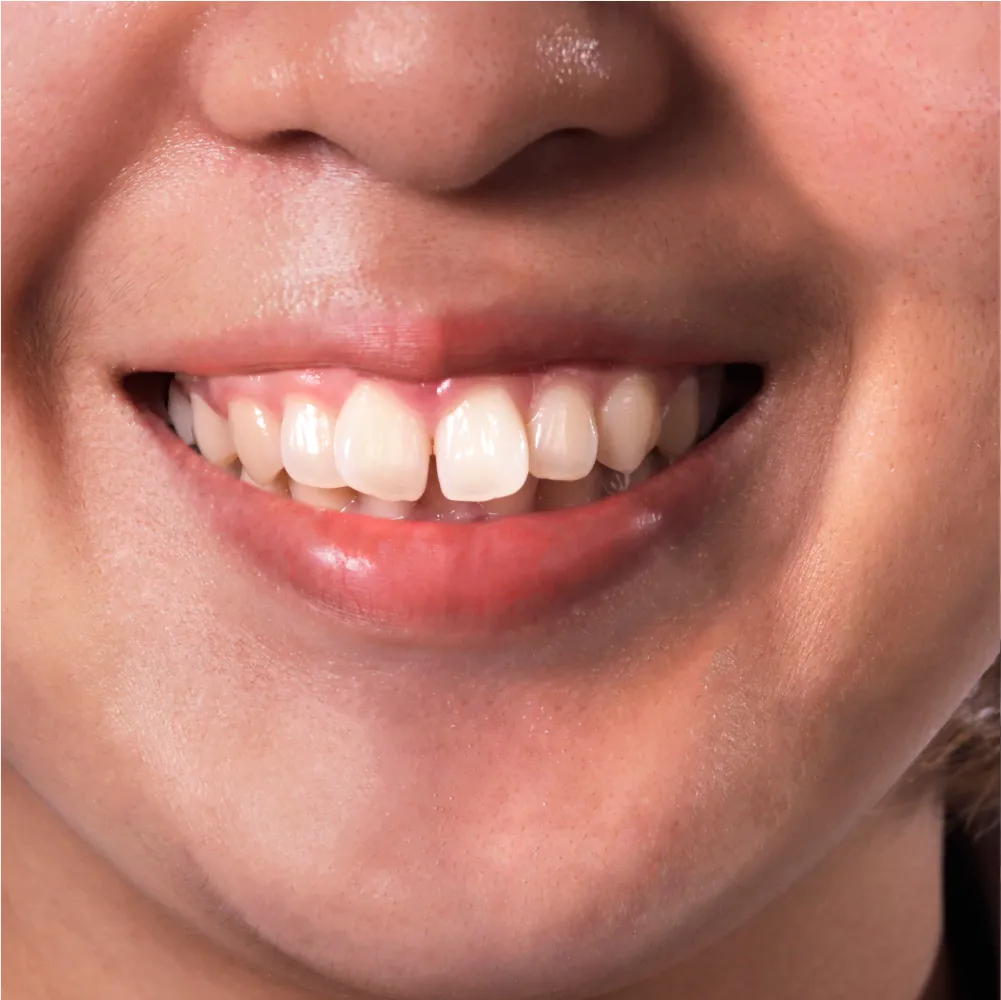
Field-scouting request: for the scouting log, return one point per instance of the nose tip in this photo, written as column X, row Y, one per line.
column 433, row 96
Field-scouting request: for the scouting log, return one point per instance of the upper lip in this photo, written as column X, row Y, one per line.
column 750, row 321
column 433, row 348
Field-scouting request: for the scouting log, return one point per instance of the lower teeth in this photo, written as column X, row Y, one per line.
column 535, row 496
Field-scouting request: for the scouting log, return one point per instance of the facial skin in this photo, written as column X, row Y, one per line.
column 582, row 806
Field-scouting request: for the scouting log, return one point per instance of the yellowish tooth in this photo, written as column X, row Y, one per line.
column 257, row 435
column 334, row 499
column 179, row 411
column 628, row 423
column 390, row 510
column 562, row 434
column 680, row 424
column 212, row 433
column 307, row 444
column 481, row 447
column 556, row 495
column 278, row 484
column 381, row 445
column 521, row 502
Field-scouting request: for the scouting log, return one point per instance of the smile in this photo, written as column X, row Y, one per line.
column 463, row 505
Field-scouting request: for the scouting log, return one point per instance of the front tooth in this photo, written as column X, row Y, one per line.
column 257, row 435
column 179, row 411
column 390, row 510
column 680, row 425
column 520, row 502
column 562, row 434
column 381, row 445
column 481, row 447
column 212, row 433
column 333, row 499
column 628, row 423
column 307, row 444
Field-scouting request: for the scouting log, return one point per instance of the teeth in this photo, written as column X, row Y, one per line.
column 332, row 499
column 562, row 434
column 553, row 495
column 212, row 433
column 179, row 411
column 520, row 502
column 481, row 447
column 435, row 506
column 680, row 425
column 257, row 436
column 307, row 444
column 381, row 446
column 628, row 423
column 276, row 484
column 391, row 510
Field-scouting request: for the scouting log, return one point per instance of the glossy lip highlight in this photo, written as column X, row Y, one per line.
column 431, row 582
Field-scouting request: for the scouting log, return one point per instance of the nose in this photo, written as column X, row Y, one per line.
column 432, row 96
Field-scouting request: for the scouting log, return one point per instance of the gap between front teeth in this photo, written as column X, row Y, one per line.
column 485, row 457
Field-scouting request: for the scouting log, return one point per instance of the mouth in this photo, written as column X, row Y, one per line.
column 447, row 507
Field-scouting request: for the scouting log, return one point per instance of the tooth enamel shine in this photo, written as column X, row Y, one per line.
column 481, row 447
column 307, row 444
column 381, row 446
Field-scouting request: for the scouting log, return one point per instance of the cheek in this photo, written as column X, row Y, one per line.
column 883, row 116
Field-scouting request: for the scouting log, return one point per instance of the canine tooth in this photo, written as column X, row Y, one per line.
column 212, row 433
column 381, row 446
column 277, row 484
column 680, row 425
column 391, row 510
column 517, row 503
column 556, row 495
column 562, row 434
column 307, row 444
column 257, row 435
column 338, row 498
column 179, row 411
column 481, row 447
column 628, row 423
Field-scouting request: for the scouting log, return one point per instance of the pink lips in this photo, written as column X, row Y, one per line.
column 428, row 579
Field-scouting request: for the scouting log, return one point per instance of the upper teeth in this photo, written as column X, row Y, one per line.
column 485, row 446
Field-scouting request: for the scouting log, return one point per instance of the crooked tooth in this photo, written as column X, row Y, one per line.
column 179, row 412
column 556, row 495
column 481, row 447
column 562, row 434
column 628, row 423
column 390, row 510
column 680, row 424
column 339, row 498
column 257, row 435
column 307, row 444
column 212, row 433
column 381, row 446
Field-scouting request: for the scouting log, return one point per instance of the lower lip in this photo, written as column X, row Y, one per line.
column 435, row 582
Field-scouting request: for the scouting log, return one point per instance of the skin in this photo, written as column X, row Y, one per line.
column 212, row 789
